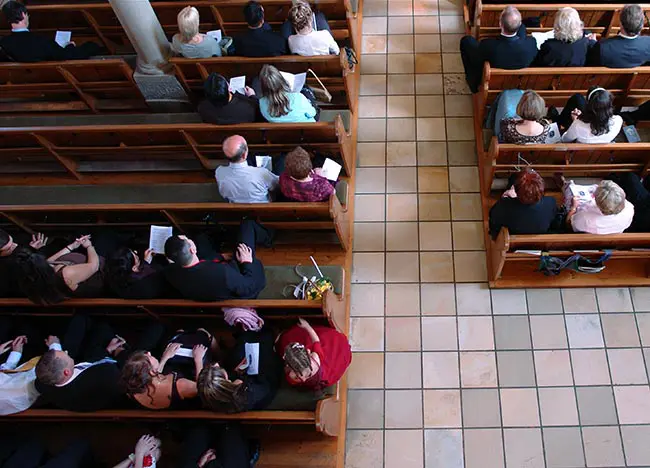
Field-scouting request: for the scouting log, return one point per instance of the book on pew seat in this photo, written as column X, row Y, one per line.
column 158, row 235
column 536, row 253
column 296, row 82
column 631, row 134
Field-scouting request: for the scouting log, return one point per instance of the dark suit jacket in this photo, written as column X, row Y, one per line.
column 26, row 46
column 511, row 53
column 619, row 52
column 555, row 53
column 261, row 42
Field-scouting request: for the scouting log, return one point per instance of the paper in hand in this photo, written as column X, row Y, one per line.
column 331, row 170
column 542, row 37
column 238, row 85
column 583, row 193
column 553, row 135
column 184, row 352
column 264, row 161
column 216, row 34
column 296, row 82
column 158, row 235
column 252, row 351
column 63, row 38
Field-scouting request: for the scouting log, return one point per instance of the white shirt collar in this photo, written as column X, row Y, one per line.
column 628, row 37
column 509, row 35
column 239, row 164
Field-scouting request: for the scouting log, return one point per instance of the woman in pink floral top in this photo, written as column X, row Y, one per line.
column 300, row 182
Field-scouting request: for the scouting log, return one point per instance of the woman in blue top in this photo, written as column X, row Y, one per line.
column 278, row 104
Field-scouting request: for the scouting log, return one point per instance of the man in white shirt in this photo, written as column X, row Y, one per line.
column 240, row 183
column 17, row 390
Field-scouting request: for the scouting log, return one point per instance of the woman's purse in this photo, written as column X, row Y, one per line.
column 321, row 94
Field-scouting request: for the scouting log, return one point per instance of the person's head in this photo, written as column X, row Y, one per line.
column 216, row 89
column 568, row 25
column 219, row 393
column 188, row 23
column 276, row 89
column 7, row 244
column 531, row 106
column 138, row 373
column 298, row 362
column 297, row 164
column 36, row 277
column 609, row 197
column 632, row 20
column 181, row 250
column 598, row 110
column 16, row 14
column 301, row 17
column 235, row 148
column 254, row 14
column 529, row 186
column 54, row 367
column 121, row 264
column 510, row 20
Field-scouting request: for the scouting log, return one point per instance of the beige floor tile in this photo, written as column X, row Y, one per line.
column 400, row 85
column 449, row 42
column 627, row 366
column 558, row 406
column 440, row 370
column 450, row 7
column 548, row 332
column 442, row 408
column 466, row 206
column 368, row 237
column 452, row 63
column 404, row 449
column 401, row 236
column 401, row 153
column 473, row 299
column 434, row 207
column 376, row 8
column 439, row 334
column 401, row 106
column 401, row 64
column 524, row 448
column 366, row 371
column 470, row 267
column 431, row 129
column 367, row 334
column 374, row 25
column 438, row 299
column 403, row 409
column 590, row 367
column 367, row 300
column 426, row 25
column 373, row 45
column 372, row 85
column 365, row 409
column 614, row 299
column 371, row 154
column 579, row 300
column 461, row 153
column 367, row 267
column 401, row 207
column 400, row 25
column 402, row 333
column 400, row 129
column 433, row 179
column 475, row 333
column 401, row 180
column 400, row 8
column 483, row 448
column 641, row 299
column 428, row 63
column 454, row 83
column 637, row 449
column 478, row 369
column 427, row 44
column 451, row 24
column 584, row 331
column 372, row 106
column 468, row 235
column 400, row 44
column 403, row 370
column 435, row 236
column 369, row 208
column 563, row 446
column 603, row 446
column 519, row 407
column 403, row 267
column 432, row 153
column 430, row 106
column 364, row 449
column 633, row 404
column 372, row 130
column 425, row 7
column 481, row 407
column 428, row 84
column 444, row 447
column 620, row 330
column 402, row 299
column 436, row 267
column 464, row 179
column 509, row 302
column 643, row 322
column 460, row 106
column 370, row 180
column 460, row 128
column 373, row 64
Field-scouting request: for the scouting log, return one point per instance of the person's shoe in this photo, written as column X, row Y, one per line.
column 552, row 114
column 254, row 447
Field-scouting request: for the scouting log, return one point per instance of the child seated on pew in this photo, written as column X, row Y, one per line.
column 300, row 181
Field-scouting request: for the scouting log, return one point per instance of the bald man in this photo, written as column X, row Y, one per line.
column 238, row 181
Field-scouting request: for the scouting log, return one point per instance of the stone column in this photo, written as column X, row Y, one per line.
column 145, row 33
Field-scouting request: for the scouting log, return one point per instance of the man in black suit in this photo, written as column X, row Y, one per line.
column 85, row 378
column 259, row 40
column 628, row 49
column 24, row 46
column 511, row 50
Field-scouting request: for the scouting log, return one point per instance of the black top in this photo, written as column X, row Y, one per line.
column 9, row 285
column 240, row 109
column 520, row 218
column 619, row 52
column 26, row 46
column 149, row 283
column 511, row 53
column 260, row 42
column 555, row 53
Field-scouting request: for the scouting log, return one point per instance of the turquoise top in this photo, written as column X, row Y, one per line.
column 300, row 110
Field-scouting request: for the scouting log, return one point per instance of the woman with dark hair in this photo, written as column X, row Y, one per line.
column 278, row 104
column 223, row 107
column 128, row 277
column 300, row 181
column 591, row 120
column 523, row 208
column 171, row 382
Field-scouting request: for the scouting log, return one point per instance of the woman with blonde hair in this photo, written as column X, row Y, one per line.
column 189, row 42
column 569, row 46
column 279, row 104
column 307, row 41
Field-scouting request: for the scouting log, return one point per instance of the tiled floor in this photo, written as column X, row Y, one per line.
column 446, row 373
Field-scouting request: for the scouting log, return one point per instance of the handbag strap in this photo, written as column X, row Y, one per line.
column 318, row 79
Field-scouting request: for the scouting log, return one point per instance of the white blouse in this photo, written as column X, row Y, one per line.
column 314, row 43
column 580, row 132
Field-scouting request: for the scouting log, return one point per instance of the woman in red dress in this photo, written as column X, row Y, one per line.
column 314, row 357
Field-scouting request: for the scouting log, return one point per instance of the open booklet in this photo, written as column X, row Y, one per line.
column 158, row 236
column 216, row 34
column 331, row 170
column 237, row 84
column 63, row 38
column 296, row 82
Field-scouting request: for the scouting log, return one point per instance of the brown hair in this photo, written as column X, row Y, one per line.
column 137, row 375
column 218, row 393
column 297, row 358
column 49, row 369
column 297, row 164
column 276, row 89
column 531, row 106
column 529, row 186
column 300, row 16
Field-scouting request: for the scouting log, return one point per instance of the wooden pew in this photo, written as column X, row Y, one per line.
column 114, row 154
column 76, row 85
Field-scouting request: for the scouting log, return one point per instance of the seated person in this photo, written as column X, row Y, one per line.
column 146, row 454
column 230, row 388
column 319, row 22
column 314, row 357
column 231, row 448
column 637, row 193
column 259, row 40
column 24, row 46
column 27, row 451
column 591, row 120
column 17, row 383
column 523, row 208
column 223, row 107
column 300, row 182
column 171, row 382
column 129, row 277
column 511, row 50
column 86, row 378
column 528, row 125
column 239, row 181
column 8, row 250
column 569, row 46
column 189, row 42
column 279, row 104
column 627, row 50
column 201, row 274
column 307, row 41
column 603, row 211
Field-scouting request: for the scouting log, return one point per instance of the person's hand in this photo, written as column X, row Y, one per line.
column 318, row 171
column 18, row 343
column 207, row 457
column 302, row 323
column 84, row 241
column 574, row 203
column 4, row 347
column 146, row 446
column 115, row 344
column 170, row 351
column 591, row 37
column 50, row 340
column 227, row 256
column 38, row 241
column 148, row 255
column 248, row 91
column 198, row 352
column 510, row 193
column 244, row 254
column 575, row 113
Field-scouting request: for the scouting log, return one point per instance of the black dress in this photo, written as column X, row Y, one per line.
column 522, row 219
